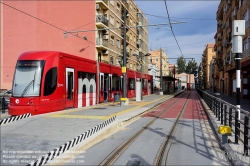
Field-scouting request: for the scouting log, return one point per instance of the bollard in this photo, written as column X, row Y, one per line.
column 246, row 124
column 225, row 131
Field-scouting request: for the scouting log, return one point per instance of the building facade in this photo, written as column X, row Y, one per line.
column 154, row 59
column 109, row 49
column 227, row 12
column 204, row 68
column 90, row 29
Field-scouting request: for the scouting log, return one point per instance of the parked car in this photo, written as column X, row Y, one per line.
column 9, row 92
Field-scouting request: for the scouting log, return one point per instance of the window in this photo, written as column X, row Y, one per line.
column 117, row 24
column 111, row 60
column 51, row 81
column 112, row 2
column 99, row 57
column 112, row 20
column 118, row 61
column 116, row 83
column 112, row 41
column 32, row 71
column 131, row 84
column 118, row 43
column 118, row 7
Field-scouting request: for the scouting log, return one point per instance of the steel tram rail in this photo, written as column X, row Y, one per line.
column 116, row 153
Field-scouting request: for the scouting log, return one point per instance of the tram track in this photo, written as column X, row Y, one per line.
column 117, row 152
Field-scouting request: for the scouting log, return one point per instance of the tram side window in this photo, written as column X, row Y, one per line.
column 116, row 82
column 50, row 81
column 131, row 84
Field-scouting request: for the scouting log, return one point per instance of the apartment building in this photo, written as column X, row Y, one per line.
column 225, row 68
column 109, row 49
column 90, row 29
column 204, row 68
column 158, row 58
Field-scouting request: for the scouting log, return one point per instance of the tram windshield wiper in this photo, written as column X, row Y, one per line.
column 27, row 87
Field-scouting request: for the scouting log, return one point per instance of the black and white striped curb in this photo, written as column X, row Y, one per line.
column 56, row 152
column 14, row 118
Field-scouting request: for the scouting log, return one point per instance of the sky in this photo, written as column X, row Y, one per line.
column 192, row 36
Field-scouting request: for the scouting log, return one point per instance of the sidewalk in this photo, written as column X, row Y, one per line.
column 244, row 103
column 233, row 151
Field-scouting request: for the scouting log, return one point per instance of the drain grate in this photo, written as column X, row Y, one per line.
column 99, row 108
column 133, row 163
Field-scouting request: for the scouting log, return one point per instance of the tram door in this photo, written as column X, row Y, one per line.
column 105, row 86
column 69, row 87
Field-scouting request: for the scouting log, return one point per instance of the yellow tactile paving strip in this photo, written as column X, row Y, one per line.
column 67, row 115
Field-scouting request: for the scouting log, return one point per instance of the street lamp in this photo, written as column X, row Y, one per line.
column 141, row 63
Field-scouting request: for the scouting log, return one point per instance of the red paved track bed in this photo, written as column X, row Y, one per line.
column 194, row 109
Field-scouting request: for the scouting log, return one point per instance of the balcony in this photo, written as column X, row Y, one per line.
column 124, row 2
column 102, row 4
column 127, row 38
column 101, row 21
column 246, row 53
column 247, row 24
column 102, row 43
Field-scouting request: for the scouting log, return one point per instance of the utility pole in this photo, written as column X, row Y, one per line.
column 161, row 92
column 238, row 31
column 124, row 74
column 141, row 78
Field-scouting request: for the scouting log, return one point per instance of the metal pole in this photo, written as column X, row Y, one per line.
column 161, row 92
column 174, row 77
column 237, row 61
column 124, row 94
column 141, row 79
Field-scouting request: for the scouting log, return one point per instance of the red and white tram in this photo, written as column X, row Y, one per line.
column 52, row 81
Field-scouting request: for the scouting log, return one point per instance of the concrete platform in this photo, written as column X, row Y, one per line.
column 37, row 135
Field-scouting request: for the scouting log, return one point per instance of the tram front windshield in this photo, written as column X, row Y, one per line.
column 27, row 79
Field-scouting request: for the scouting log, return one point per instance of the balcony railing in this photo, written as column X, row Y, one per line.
column 246, row 53
column 102, row 19
column 101, row 41
column 247, row 24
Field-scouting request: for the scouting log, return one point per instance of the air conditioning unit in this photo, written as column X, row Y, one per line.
column 105, row 51
column 97, row 7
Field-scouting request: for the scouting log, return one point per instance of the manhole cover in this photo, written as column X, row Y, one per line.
column 99, row 108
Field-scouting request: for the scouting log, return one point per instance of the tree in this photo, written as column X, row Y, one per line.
column 191, row 66
column 181, row 63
